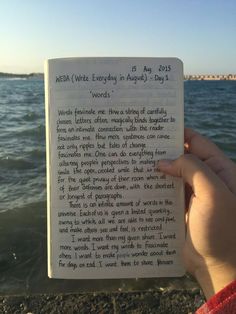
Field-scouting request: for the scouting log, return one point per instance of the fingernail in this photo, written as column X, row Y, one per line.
column 164, row 163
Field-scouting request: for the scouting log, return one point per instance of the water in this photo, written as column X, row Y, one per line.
column 210, row 107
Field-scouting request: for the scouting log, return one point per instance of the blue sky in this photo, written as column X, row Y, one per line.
column 202, row 32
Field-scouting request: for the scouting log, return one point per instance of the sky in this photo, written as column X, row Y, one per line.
column 202, row 33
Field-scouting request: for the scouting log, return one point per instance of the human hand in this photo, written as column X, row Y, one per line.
column 210, row 246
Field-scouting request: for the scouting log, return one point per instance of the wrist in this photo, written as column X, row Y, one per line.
column 212, row 279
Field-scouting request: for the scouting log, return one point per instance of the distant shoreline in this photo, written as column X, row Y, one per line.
column 25, row 76
column 211, row 77
column 189, row 77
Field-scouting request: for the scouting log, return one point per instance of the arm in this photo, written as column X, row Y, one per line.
column 209, row 251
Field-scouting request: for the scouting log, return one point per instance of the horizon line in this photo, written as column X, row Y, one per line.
column 185, row 74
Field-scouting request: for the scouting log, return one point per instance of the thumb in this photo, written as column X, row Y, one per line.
column 197, row 174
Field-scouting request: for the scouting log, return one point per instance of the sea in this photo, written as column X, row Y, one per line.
column 210, row 108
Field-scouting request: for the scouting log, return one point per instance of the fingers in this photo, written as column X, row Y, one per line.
column 199, row 176
column 200, row 145
column 207, row 151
